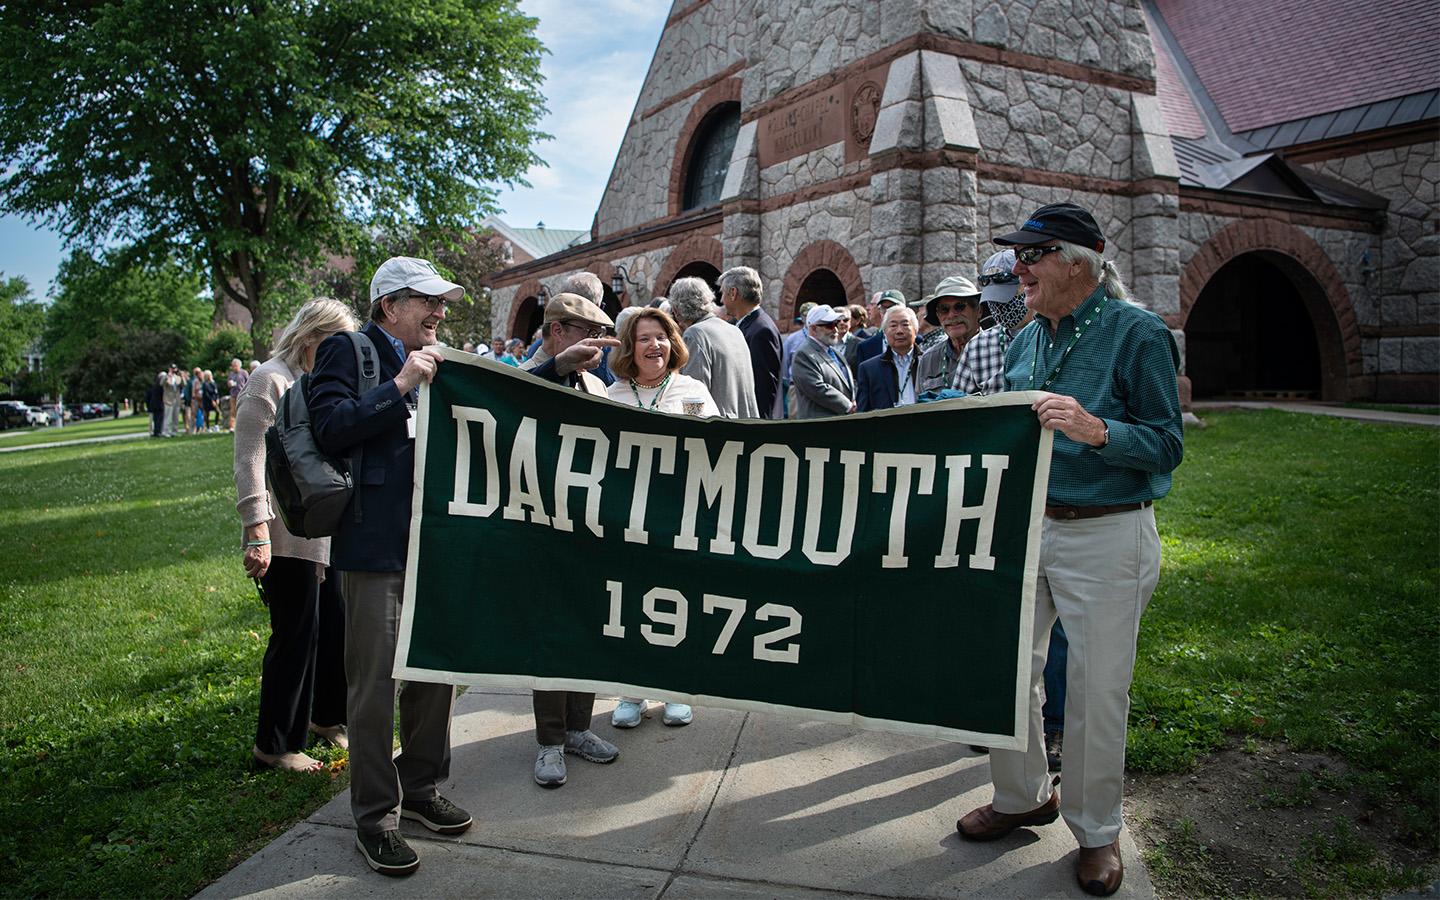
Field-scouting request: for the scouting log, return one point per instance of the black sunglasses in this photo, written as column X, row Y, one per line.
column 998, row 276
column 1032, row 255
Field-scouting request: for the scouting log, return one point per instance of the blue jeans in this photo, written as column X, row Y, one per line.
column 1053, row 712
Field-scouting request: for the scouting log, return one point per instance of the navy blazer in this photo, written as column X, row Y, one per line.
column 763, row 339
column 869, row 348
column 878, row 384
column 342, row 418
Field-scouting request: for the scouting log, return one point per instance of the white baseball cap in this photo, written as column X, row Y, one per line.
column 998, row 284
column 822, row 315
column 399, row 273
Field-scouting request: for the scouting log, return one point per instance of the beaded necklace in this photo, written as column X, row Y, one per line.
column 660, row 392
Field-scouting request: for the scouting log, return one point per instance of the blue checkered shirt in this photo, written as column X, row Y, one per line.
column 982, row 363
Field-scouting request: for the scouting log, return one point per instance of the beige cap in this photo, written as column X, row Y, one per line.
column 575, row 308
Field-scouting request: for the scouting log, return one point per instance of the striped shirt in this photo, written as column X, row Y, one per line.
column 1122, row 369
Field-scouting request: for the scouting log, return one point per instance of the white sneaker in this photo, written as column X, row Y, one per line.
column 677, row 714
column 627, row 714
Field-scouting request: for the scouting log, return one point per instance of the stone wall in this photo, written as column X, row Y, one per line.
column 1406, row 277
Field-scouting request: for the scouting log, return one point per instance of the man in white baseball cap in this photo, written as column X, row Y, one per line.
column 822, row 382
column 406, row 273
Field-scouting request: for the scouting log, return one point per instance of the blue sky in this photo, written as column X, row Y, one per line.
column 599, row 51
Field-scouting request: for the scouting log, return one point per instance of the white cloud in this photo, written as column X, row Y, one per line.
column 599, row 54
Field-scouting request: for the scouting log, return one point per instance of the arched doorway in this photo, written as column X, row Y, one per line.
column 528, row 318
column 698, row 269
column 821, row 286
column 1250, row 333
column 609, row 303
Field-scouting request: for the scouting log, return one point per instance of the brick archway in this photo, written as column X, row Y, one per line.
column 819, row 255
column 727, row 91
column 528, row 289
column 695, row 248
column 1312, row 273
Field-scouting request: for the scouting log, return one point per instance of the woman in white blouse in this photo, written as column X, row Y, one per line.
column 647, row 375
column 302, row 686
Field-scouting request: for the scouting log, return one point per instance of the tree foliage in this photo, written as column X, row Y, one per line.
column 260, row 134
column 463, row 256
column 223, row 345
column 21, row 319
column 114, row 323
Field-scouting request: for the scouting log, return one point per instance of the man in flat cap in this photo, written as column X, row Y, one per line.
column 562, row 718
column 1105, row 370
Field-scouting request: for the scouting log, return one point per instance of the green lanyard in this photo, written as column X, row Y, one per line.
column 1075, row 339
column 654, row 401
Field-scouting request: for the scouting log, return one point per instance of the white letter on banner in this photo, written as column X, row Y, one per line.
column 718, row 482
column 566, row 477
column 903, row 464
column 525, row 477
column 816, row 458
column 645, row 446
column 956, row 512
column 461, row 505
column 756, row 495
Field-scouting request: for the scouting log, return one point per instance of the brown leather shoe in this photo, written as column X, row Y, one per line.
column 1099, row 869
column 985, row 824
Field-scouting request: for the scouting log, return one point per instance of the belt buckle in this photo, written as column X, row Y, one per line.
column 1071, row 513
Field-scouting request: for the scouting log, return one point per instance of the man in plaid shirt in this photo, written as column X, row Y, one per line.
column 982, row 362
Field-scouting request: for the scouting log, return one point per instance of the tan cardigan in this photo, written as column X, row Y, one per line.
column 255, row 412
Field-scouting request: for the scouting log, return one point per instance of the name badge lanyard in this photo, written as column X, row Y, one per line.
column 1064, row 354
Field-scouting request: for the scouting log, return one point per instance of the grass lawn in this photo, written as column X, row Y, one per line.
column 130, row 645
column 76, row 430
column 1297, row 604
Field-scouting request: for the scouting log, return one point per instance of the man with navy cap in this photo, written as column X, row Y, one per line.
column 1105, row 372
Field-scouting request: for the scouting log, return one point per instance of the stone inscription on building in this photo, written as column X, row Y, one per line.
column 844, row 112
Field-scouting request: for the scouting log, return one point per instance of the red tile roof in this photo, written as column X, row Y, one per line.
column 1269, row 62
column 1176, row 108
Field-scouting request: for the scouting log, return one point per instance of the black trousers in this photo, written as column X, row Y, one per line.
column 157, row 420
column 557, row 712
column 303, row 674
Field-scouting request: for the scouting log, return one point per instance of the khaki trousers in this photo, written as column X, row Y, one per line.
column 378, row 778
column 1098, row 575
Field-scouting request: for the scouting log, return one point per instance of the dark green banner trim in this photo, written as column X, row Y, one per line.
column 875, row 570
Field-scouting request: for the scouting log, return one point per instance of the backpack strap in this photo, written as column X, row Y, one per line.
column 369, row 368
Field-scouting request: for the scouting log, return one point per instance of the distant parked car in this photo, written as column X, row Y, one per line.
column 55, row 413
column 36, row 416
column 13, row 414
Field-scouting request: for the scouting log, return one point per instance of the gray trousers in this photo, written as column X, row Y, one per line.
column 1097, row 575
column 378, row 778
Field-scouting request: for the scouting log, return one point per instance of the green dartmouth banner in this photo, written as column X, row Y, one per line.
column 876, row 570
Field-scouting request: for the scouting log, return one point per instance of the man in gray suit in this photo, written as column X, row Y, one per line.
column 719, row 356
column 822, row 383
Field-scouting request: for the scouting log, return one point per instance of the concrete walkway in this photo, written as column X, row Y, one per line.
column 84, row 440
column 735, row 805
column 1323, row 409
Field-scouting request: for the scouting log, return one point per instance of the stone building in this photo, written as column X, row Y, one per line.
column 1267, row 177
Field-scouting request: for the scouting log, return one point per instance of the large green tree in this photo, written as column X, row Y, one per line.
column 21, row 319
column 115, row 322
column 260, row 134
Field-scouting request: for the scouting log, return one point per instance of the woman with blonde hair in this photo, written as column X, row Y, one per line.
column 302, row 686
column 647, row 374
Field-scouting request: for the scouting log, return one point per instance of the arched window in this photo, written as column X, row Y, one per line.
column 710, row 156
column 821, row 286
column 702, row 270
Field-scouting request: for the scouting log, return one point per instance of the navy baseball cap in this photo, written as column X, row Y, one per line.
column 1058, row 221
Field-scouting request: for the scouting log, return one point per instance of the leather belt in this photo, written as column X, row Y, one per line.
column 1092, row 512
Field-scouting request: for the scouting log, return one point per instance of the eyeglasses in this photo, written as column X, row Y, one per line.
column 998, row 276
column 591, row 331
column 1032, row 255
column 829, row 325
column 432, row 302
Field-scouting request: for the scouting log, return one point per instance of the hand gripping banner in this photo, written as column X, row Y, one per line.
column 875, row 570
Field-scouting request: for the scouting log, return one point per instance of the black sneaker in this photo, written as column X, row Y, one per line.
column 439, row 815
column 387, row 852
column 1054, row 743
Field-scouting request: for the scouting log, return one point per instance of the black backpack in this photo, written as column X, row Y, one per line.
column 311, row 488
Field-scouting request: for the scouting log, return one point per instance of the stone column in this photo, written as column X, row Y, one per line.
column 897, row 220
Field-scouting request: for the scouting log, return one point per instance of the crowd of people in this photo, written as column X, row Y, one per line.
column 193, row 403
column 1110, row 398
